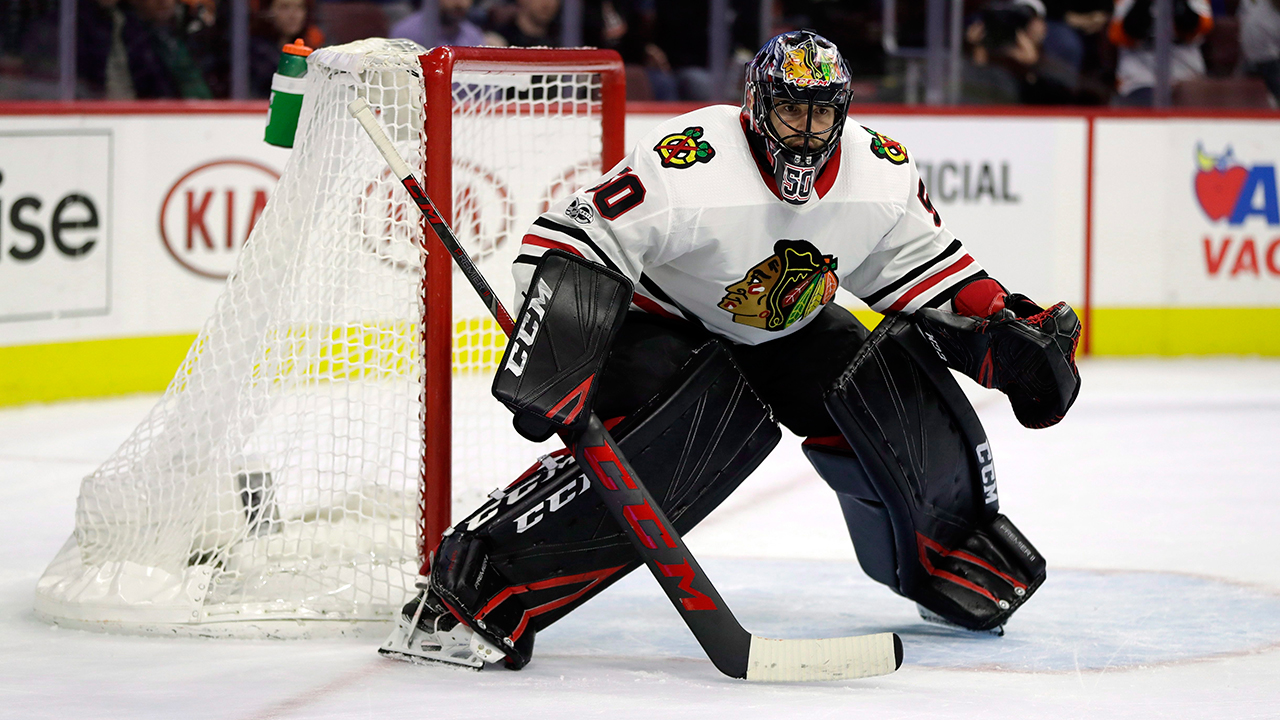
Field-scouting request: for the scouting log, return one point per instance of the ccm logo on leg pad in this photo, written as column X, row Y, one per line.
column 987, row 465
column 558, row 499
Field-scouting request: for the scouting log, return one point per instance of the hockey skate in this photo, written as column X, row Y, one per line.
column 427, row 632
column 930, row 616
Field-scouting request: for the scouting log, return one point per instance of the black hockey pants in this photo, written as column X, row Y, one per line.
column 791, row 374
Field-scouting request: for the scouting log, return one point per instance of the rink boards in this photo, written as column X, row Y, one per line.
column 117, row 229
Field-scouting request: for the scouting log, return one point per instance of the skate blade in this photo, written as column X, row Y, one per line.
column 931, row 617
column 406, row 643
column 428, row 660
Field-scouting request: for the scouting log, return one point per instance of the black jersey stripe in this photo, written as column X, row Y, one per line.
column 950, row 292
column 526, row 260
column 915, row 272
column 658, row 293
column 647, row 283
column 579, row 235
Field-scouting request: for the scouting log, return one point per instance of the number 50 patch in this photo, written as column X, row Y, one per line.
column 618, row 194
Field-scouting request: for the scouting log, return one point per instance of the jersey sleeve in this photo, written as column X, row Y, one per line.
column 622, row 221
column 918, row 263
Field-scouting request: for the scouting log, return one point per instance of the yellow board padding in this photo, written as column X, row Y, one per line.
column 478, row 344
column 89, row 368
column 1173, row 331
column 121, row 366
column 1186, row 331
column 365, row 351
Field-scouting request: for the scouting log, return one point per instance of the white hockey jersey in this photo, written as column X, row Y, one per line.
column 703, row 232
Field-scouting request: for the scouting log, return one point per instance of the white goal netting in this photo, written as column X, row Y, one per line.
column 279, row 480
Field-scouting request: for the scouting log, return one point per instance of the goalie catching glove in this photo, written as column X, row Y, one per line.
column 1013, row 345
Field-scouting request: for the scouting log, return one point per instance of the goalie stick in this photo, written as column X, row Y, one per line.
column 734, row 651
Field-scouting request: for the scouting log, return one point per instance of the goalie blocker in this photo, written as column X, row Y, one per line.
column 561, row 341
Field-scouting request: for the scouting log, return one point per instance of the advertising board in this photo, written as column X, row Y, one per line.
column 1012, row 190
column 1186, row 245
column 117, row 230
column 116, row 234
column 55, row 224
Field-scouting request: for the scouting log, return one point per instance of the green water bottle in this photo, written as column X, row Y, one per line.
column 286, row 94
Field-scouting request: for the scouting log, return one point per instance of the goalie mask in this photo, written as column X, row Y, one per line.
column 796, row 84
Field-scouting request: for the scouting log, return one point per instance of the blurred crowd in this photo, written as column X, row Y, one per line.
column 1093, row 52
column 1055, row 52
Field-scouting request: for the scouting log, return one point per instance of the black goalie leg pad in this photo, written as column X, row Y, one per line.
column 546, row 544
column 917, row 484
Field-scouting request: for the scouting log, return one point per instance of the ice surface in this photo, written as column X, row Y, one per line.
column 1156, row 503
column 1083, row 620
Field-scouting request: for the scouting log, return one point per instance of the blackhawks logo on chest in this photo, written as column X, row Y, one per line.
column 784, row 288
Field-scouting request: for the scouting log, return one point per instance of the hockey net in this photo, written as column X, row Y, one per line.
column 334, row 411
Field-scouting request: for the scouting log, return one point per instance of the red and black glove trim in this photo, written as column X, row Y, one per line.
column 1023, row 350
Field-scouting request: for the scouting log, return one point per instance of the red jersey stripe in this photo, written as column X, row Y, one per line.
column 543, row 242
column 929, row 282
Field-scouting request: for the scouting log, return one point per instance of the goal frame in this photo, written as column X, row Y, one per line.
column 438, row 67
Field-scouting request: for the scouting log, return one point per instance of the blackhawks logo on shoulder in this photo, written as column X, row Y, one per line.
column 886, row 147
column 683, row 149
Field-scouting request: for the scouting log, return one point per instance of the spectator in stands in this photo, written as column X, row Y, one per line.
column 448, row 25
column 275, row 25
column 632, row 28
column 677, row 58
column 136, row 49
column 533, row 24
column 12, row 25
column 1072, row 26
column 1133, row 31
column 627, row 26
column 169, row 70
column 102, row 54
column 1260, row 40
column 204, row 29
column 1075, row 37
column 1006, row 59
column 621, row 25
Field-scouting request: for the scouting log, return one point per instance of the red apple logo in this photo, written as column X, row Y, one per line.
column 1218, row 183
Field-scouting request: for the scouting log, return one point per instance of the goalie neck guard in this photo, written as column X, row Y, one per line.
column 801, row 68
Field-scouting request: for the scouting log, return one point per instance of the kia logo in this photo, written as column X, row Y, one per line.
column 208, row 213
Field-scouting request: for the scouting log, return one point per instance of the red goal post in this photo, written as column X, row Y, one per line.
column 439, row 67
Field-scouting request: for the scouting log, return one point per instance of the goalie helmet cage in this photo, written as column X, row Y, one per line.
column 334, row 410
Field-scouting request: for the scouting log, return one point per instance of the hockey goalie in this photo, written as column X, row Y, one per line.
column 730, row 230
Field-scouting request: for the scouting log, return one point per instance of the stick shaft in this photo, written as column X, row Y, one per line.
column 362, row 113
column 639, row 515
